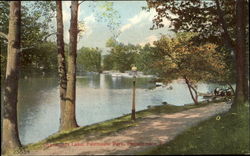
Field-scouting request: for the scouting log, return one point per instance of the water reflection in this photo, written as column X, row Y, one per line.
column 98, row 98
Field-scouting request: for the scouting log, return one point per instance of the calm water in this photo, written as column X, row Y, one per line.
column 98, row 98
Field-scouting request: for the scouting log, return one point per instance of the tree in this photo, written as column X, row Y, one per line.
column 89, row 59
column 107, row 65
column 68, row 120
column 213, row 20
column 228, row 77
column 61, row 63
column 106, row 13
column 144, row 59
column 180, row 58
column 35, row 29
column 240, row 53
column 123, row 56
column 41, row 58
column 10, row 128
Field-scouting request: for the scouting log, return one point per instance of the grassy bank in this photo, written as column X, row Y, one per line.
column 227, row 133
column 109, row 126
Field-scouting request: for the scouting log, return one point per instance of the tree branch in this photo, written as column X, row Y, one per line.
column 230, row 86
column 80, row 3
column 46, row 37
column 4, row 35
column 195, row 99
column 228, row 39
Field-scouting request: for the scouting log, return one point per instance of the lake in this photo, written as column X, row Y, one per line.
column 99, row 97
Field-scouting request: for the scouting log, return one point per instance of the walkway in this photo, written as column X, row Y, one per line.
column 150, row 132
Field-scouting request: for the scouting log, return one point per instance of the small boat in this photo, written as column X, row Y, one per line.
column 116, row 75
column 207, row 96
column 157, row 84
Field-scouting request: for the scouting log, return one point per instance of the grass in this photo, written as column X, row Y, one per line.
column 109, row 126
column 227, row 133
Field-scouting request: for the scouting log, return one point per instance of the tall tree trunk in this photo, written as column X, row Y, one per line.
column 190, row 88
column 69, row 115
column 239, row 49
column 10, row 128
column 61, row 63
column 241, row 69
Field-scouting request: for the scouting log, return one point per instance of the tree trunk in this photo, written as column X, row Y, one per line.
column 69, row 115
column 239, row 49
column 61, row 63
column 10, row 128
column 190, row 88
column 240, row 53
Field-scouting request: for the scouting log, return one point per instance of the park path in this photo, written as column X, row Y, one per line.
column 150, row 132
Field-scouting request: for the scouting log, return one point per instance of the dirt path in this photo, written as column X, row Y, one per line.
column 150, row 132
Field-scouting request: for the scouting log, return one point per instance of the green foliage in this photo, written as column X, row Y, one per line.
column 43, row 56
column 145, row 59
column 223, row 134
column 36, row 26
column 4, row 14
column 89, row 59
column 228, row 76
column 105, row 12
column 108, row 14
column 173, row 58
column 198, row 16
column 36, row 22
column 222, row 22
column 178, row 57
column 121, row 56
column 107, row 62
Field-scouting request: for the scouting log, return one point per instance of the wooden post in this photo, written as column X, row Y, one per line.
column 133, row 100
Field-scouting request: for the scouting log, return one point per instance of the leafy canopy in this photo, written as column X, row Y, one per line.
column 89, row 59
column 178, row 57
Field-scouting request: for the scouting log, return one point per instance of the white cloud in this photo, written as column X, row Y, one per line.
column 90, row 19
column 142, row 17
column 125, row 27
column 150, row 39
column 136, row 29
column 89, row 22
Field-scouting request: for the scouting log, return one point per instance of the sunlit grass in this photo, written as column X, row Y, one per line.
column 227, row 133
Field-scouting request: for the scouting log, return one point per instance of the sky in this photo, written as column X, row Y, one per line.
column 134, row 25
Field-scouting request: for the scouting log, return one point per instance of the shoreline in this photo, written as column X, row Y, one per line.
column 108, row 127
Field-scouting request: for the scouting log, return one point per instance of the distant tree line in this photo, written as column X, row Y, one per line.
column 171, row 58
column 89, row 59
